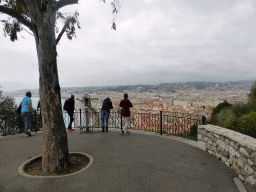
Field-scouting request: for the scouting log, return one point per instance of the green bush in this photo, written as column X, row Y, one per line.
column 240, row 109
column 240, row 117
column 216, row 110
column 159, row 131
column 10, row 121
column 223, row 115
column 193, row 130
column 7, row 105
column 232, row 123
column 247, row 124
column 252, row 94
column 252, row 98
column 7, row 115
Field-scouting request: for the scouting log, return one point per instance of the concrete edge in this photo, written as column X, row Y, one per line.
column 239, row 184
column 23, row 173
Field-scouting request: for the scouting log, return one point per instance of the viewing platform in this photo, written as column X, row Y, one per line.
column 141, row 161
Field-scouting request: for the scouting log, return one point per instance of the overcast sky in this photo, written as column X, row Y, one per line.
column 156, row 41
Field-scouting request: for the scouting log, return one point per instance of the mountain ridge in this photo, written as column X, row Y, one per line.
column 163, row 87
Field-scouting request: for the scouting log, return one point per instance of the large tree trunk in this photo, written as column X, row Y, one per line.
column 55, row 154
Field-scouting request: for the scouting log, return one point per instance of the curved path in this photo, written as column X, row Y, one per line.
column 136, row 162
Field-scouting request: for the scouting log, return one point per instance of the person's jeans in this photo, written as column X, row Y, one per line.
column 104, row 116
column 27, row 119
column 71, row 113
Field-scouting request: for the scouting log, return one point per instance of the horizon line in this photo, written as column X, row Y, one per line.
column 137, row 84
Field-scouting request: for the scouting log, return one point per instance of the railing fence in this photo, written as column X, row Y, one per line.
column 184, row 125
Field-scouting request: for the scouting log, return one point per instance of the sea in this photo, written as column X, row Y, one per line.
column 34, row 101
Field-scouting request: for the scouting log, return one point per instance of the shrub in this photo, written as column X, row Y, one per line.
column 252, row 98
column 7, row 104
column 252, row 94
column 223, row 115
column 159, row 131
column 193, row 130
column 10, row 121
column 216, row 110
column 247, row 124
column 240, row 109
column 232, row 123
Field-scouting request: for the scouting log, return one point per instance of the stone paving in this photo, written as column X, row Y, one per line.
column 136, row 162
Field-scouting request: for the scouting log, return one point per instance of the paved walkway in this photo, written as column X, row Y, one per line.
column 136, row 162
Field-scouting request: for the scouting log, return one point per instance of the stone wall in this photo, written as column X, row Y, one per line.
column 236, row 150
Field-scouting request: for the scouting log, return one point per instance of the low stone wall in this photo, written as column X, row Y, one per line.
column 236, row 150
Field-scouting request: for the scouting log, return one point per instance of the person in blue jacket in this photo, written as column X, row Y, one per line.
column 26, row 110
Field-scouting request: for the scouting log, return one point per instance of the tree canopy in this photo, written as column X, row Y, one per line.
column 240, row 117
column 22, row 12
column 7, row 104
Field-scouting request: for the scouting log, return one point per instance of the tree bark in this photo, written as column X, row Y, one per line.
column 55, row 154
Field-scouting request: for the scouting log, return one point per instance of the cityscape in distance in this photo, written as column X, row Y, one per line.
column 197, row 98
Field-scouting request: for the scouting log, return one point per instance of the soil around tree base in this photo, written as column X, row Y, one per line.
column 33, row 167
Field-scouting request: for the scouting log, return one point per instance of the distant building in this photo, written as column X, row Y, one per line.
column 182, row 103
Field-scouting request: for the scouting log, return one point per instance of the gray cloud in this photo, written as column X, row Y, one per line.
column 155, row 42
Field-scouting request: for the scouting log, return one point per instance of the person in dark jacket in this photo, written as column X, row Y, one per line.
column 39, row 107
column 105, row 110
column 126, row 104
column 70, row 110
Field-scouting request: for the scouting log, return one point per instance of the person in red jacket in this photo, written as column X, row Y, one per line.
column 125, row 112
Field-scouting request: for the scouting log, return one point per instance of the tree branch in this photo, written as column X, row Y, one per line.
column 19, row 17
column 37, row 3
column 61, row 33
column 22, row 2
column 34, row 10
column 62, row 3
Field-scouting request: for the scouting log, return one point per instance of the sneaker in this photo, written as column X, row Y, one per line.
column 26, row 136
column 127, row 133
column 122, row 131
column 29, row 133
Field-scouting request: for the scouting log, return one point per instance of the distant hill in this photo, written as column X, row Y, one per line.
column 165, row 87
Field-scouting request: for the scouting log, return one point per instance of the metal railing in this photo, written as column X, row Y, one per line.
column 184, row 125
column 13, row 123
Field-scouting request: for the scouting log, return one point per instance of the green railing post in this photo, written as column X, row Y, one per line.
column 87, row 119
column 161, row 121
column 80, row 117
column 35, row 122
column 203, row 120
